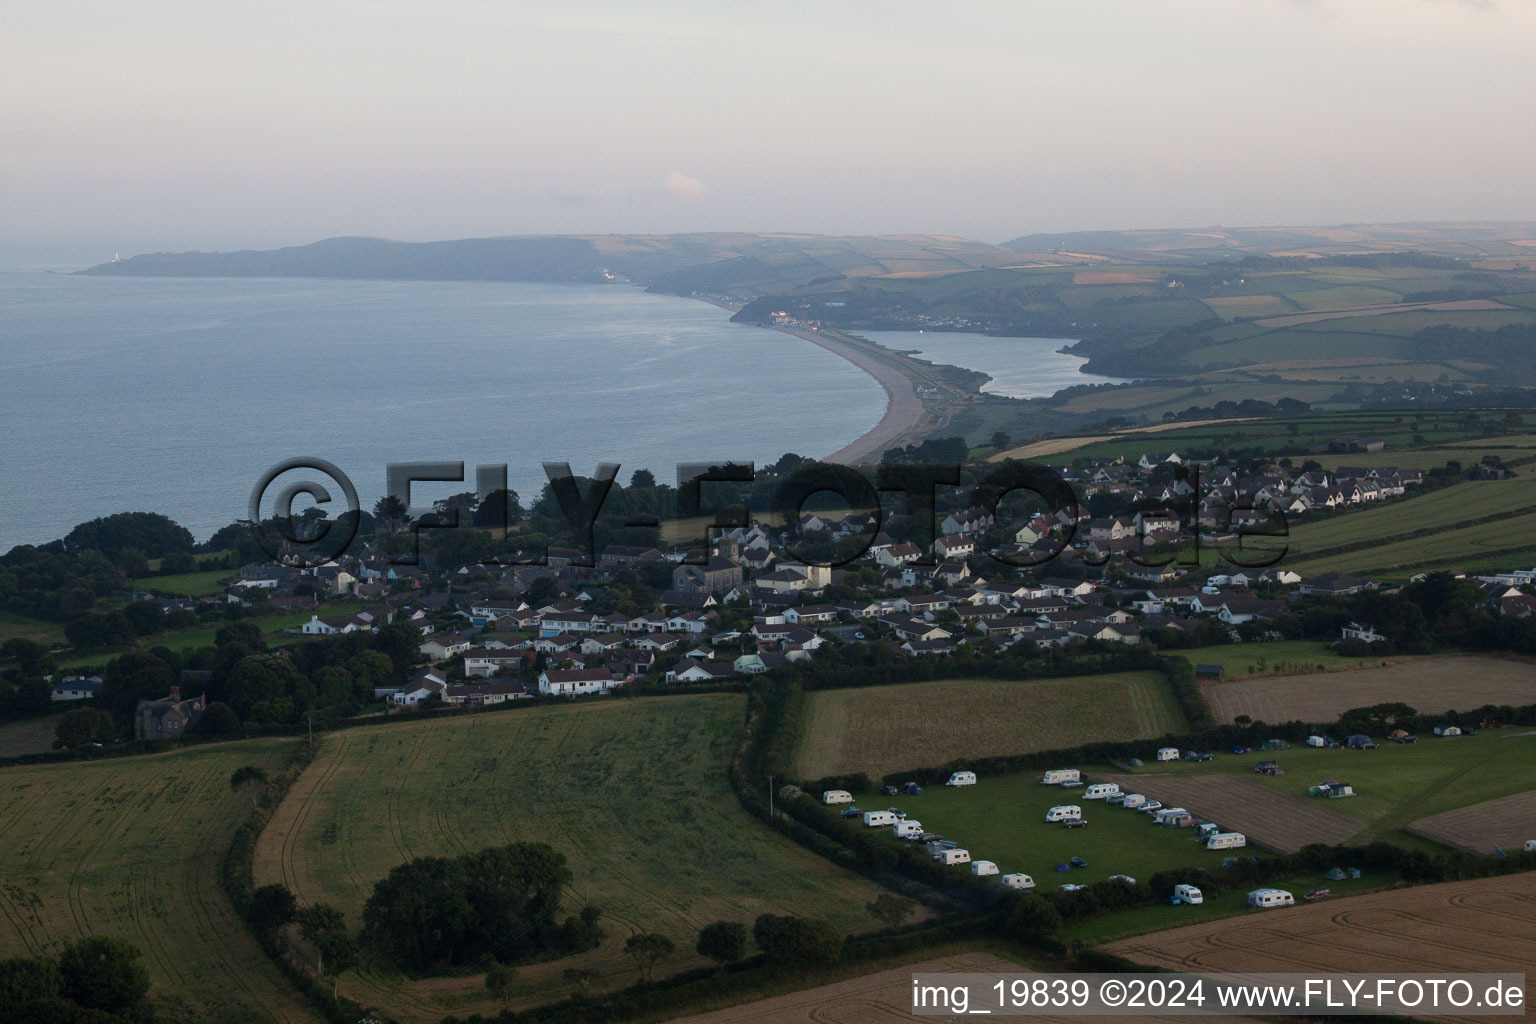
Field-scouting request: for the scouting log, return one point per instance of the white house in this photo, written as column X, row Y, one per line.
column 569, row 682
column 1355, row 631
column 76, row 688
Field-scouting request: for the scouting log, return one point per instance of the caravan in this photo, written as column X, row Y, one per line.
column 962, row 779
column 1018, row 881
column 1133, row 801
column 1187, row 894
column 1271, row 898
column 1168, row 753
column 1173, row 817
column 952, row 857
column 837, row 796
column 1226, row 841
column 1101, row 791
column 907, row 829
column 1064, row 812
column 877, row 819
column 1057, row 776
column 983, row 867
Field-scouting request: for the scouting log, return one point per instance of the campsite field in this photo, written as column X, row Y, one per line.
column 1507, row 824
column 1431, row 685
column 633, row 792
column 131, row 847
column 1483, row 925
column 880, row 729
column 1002, row 819
column 1396, row 785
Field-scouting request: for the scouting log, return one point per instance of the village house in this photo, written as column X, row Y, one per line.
column 168, row 717
column 571, row 682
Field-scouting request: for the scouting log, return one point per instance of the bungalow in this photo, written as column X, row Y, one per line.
column 783, row 580
column 553, row 622
column 897, row 555
column 1355, row 631
column 1007, row 626
column 76, row 688
column 603, row 644
column 1235, row 611
column 749, row 665
column 809, row 613
column 913, row 629
column 483, row 694
column 691, row 670
column 570, row 682
column 445, row 646
column 658, row 641
column 918, row 648
column 1334, row 584
column 332, row 625
column 486, row 662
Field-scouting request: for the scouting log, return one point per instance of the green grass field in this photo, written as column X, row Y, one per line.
column 1255, row 658
column 131, row 847
column 187, row 584
column 1002, row 819
column 203, row 636
column 1396, row 784
column 880, row 729
column 633, row 792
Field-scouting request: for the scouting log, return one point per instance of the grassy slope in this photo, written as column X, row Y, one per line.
column 1251, row 658
column 132, row 847
column 881, row 729
column 187, row 584
column 633, row 792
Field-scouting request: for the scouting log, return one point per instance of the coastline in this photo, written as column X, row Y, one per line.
column 905, row 413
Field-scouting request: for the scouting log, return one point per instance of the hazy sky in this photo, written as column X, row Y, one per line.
column 162, row 124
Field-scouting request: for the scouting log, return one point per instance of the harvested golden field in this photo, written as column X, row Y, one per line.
column 1431, row 685
column 633, row 792
column 885, row 996
column 1507, row 824
column 880, row 729
column 131, row 847
column 1280, row 821
column 1112, row 277
column 1487, row 925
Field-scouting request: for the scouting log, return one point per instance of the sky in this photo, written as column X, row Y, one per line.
column 169, row 125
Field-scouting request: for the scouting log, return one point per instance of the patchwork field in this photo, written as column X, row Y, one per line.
column 1431, row 685
column 1507, row 824
column 1396, row 785
column 633, row 792
column 131, row 847
column 1488, row 925
column 1280, row 821
column 880, row 729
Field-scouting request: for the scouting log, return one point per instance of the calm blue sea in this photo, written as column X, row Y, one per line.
column 1019, row 367
column 175, row 395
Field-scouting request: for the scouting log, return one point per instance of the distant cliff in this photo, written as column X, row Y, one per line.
column 469, row 259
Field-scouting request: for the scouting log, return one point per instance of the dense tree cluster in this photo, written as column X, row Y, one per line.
column 97, row 980
column 437, row 912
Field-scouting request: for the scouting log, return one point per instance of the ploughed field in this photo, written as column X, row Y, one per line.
column 1487, row 925
column 1506, row 823
column 881, row 729
column 1281, row 821
column 131, row 847
column 1431, row 685
column 633, row 792
column 1396, row 785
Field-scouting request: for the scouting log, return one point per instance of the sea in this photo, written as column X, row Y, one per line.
column 176, row 395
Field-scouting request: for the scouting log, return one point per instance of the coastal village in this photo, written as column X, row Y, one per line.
column 492, row 633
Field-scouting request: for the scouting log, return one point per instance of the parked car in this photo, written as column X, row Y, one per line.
column 1405, row 738
column 1072, row 886
column 1078, row 862
column 1150, row 806
column 1239, row 750
column 1071, row 784
column 1318, row 894
column 1074, row 823
column 901, row 815
column 1127, row 879
column 1190, row 755
column 850, row 812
